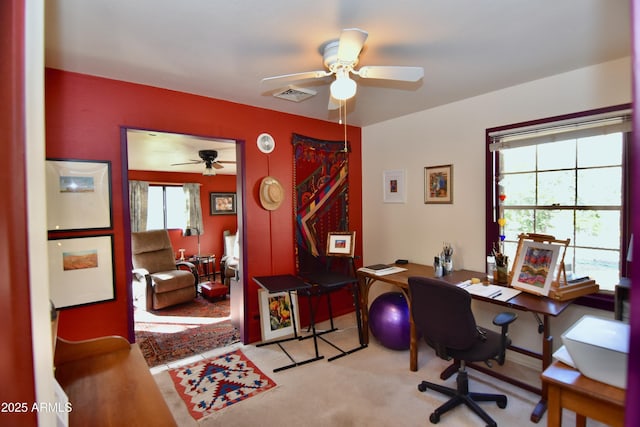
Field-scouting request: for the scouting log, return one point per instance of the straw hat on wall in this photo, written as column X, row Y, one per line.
column 271, row 193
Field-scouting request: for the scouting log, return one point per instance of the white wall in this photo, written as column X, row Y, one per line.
column 455, row 134
column 38, row 271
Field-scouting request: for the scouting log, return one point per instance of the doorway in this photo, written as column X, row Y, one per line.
column 165, row 159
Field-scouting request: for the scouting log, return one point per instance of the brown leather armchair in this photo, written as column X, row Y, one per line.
column 166, row 283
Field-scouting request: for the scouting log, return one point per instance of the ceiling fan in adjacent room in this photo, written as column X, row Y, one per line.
column 340, row 58
column 208, row 157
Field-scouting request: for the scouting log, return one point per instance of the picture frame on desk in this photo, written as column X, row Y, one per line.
column 341, row 243
column 277, row 312
column 535, row 267
column 438, row 184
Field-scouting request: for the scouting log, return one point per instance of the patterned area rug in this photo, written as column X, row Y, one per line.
column 213, row 384
column 184, row 330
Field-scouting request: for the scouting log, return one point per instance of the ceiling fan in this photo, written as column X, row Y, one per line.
column 340, row 58
column 208, row 157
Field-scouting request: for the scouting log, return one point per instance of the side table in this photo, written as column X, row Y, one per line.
column 588, row 398
column 288, row 283
column 206, row 265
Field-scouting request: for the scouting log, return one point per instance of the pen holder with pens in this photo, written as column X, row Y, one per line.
column 501, row 273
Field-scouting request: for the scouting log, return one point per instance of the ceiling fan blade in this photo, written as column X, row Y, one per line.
column 351, row 43
column 296, row 76
column 218, row 163
column 192, row 162
column 407, row 74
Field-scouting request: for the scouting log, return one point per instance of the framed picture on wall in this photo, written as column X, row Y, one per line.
column 393, row 186
column 223, row 203
column 78, row 194
column 438, row 184
column 81, row 270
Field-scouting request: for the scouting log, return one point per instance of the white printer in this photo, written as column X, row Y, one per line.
column 599, row 348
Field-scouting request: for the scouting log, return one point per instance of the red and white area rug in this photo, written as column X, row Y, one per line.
column 213, row 384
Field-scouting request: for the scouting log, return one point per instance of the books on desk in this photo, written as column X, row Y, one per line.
column 381, row 269
column 498, row 293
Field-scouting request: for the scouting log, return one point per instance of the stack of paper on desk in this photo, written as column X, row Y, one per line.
column 496, row 292
column 381, row 269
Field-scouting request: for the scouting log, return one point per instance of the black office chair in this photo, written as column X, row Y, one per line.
column 442, row 314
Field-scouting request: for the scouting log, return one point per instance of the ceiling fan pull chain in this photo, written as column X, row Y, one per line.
column 343, row 108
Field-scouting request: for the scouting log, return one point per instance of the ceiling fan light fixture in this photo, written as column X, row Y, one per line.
column 209, row 170
column 343, row 87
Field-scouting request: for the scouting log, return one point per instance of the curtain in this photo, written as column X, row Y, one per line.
column 193, row 215
column 138, row 199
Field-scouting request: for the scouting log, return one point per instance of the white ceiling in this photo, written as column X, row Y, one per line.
column 163, row 151
column 222, row 49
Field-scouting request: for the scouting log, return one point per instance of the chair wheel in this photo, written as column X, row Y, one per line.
column 502, row 403
column 434, row 418
column 422, row 387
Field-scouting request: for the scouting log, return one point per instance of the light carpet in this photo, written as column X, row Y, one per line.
column 371, row 387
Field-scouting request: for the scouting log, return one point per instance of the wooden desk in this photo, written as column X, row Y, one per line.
column 588, row 398
column 537, row 305
column 108, row 383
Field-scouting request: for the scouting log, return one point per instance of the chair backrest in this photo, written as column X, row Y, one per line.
column 152, row 251
column 442, row 313
column 231, row 244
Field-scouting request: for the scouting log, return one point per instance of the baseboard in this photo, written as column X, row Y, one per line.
column 524, row 360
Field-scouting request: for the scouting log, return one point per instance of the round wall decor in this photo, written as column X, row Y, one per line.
column 266, row 143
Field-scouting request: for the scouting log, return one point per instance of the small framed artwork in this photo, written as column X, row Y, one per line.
column 438, row 184
column 223, row 203
column 534, row 269
column 341, row 243
column 81, row 270
column 78, row 194
column 276, row 314
column 394, row 186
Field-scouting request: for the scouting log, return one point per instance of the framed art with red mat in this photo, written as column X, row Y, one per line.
column 321, row 199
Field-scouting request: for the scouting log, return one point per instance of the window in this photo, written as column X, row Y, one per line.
column 564, row 177
column 166, row 207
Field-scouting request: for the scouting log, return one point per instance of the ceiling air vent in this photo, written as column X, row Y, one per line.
column 295, row 94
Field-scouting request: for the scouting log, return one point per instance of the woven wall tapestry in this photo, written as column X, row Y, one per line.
column 320, row 172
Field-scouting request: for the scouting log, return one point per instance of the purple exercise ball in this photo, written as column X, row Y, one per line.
column 389, row 320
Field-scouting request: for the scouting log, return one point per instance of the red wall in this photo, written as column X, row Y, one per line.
column 84, row 116
column 211, row 242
